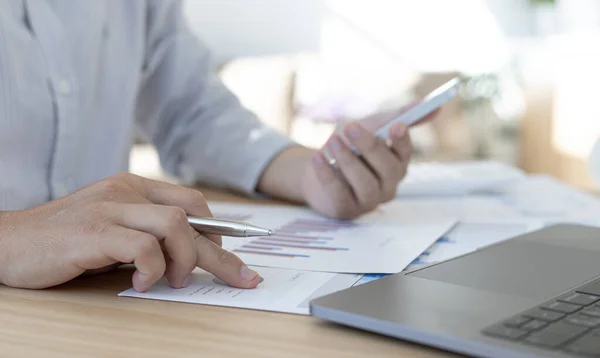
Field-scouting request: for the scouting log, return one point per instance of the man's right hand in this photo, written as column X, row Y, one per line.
column 122, row 219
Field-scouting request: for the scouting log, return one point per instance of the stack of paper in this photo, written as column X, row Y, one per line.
column 308, row 257
column 530, row 204
column 311, row 256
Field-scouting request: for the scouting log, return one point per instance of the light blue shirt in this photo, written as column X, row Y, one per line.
column 79, row 77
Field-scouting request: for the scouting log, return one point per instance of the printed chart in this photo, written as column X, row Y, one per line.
column 306, row 241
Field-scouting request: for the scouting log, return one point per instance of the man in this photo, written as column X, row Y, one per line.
column 76, row 79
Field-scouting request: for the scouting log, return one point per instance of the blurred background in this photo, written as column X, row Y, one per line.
column 529, row 68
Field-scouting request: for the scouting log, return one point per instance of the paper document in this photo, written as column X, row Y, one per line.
column 494, row 215
column 456, row 178
column 281, row 290
column 543, row 197
column 307, row 241
column 532, row 198
column 468, row 237
column 465, row 209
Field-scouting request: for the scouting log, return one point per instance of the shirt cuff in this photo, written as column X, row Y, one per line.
column 265, row 151
column 242, row 166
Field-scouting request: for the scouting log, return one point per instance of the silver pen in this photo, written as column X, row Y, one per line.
column 227, row 227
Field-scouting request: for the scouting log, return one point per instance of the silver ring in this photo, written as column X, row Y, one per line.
column 356, row 151
column 333, row 163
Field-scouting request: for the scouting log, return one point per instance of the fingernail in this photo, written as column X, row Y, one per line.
column 140, row 279
column 354, row 130
column 186, row 281
column 248, row 274
column 318, row 160
column 335, row 144
column 400, row 131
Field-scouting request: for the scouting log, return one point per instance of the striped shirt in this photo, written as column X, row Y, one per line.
column 79, row 78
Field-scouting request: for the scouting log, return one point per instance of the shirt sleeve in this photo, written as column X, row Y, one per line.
column 201, row 131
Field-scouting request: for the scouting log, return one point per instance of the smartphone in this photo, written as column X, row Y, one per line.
column 430, row 103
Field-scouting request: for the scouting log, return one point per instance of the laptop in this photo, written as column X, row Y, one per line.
column 535, row 295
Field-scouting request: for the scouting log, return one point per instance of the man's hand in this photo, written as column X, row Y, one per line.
column 122, row 219
column 362, row 172
column 356, row 181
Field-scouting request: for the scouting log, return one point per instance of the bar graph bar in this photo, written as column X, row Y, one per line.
column 298, row 246
column 301, row 241
column 260, row 247
column 445, row 240
column 299, row 237
column 267, row 253
column 299, row 226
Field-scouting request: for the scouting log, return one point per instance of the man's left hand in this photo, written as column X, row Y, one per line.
column 360, row 173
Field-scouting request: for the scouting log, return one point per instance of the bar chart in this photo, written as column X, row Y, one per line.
column 299, row 234
column 304, row 240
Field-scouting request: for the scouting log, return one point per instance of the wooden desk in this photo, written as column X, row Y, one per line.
column 86, row 318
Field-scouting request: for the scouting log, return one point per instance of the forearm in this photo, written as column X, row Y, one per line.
column 3, row 224
column 282, row 177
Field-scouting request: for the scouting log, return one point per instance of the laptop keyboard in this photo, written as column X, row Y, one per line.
column 570, row 323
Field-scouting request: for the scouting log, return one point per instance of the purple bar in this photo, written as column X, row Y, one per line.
column 304, row 228
column 300, row 237
column 270, row 238
column 289, row 231
column 269, row 253
column 260, row 247
column 329, row 223
column 314, row 226
column 301, row 246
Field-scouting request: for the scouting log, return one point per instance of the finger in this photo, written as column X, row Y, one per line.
column 365, row 185
column 386, row 166
column 190, row 200
column 140, row 248
column 400, row 143
column 342, row 203
column 224, row 264
column 169, row 224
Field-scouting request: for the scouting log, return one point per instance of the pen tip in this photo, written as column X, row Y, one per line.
column 271, row 232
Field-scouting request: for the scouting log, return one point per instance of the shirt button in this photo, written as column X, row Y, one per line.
column 63, row 87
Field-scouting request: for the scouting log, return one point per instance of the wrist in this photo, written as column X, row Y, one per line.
column 4, row 228
column 283, row 177
column 3, row 224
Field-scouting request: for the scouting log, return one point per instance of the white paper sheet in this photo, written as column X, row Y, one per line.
column 306, row 241
column 545, row 198
column 281, row 290
column 464, row 209
column 533, row 198
column 468, row 237
column 456, row 178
